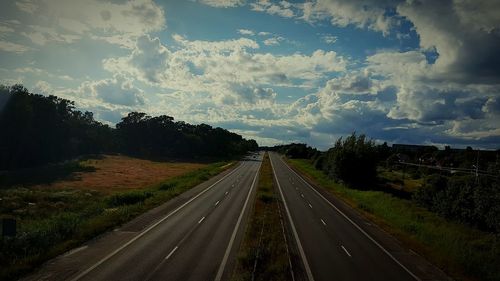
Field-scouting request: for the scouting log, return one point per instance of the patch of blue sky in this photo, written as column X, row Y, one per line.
column 200, row 22
column 289, row 94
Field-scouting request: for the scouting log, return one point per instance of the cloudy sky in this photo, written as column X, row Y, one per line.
column 399, row 71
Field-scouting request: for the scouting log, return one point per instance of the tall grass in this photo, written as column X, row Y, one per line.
column 51, row 222
column 129, row 198
column 462, row 251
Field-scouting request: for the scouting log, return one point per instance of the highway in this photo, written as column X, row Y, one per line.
column 195, row 236
column 332, row 246
column 195, row 241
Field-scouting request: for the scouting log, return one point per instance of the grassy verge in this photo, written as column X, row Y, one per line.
column 263, row 253
column 463, row 252
column 399, row 180
column 56, row 220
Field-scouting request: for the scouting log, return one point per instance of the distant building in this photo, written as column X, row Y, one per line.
column 413, row 147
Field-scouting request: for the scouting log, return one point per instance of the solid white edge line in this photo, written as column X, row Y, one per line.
column 345, row 250
column 222, row 266
column 171, row 253
column 294, row 230
column 74, row 251
column 85, row 272
column 354, row 224
column 286, row 242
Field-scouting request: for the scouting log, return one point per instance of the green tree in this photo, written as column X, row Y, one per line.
column 37, row 129
column 352, row 160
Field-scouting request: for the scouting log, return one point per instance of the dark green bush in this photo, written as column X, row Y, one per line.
column 463, row 198
column 168, row 185
column 319, row 162
column 434, row 184
column 128, row 198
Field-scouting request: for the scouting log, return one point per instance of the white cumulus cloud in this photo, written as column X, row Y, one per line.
column 223, row 3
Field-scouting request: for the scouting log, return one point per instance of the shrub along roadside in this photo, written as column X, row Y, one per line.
column 88, row 215
column 463, row 252
column 463, row 198
column 263, row 253
column 350, row 158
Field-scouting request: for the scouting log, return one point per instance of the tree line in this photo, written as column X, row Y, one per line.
column 352, row 160
column 37, row 129
column 463, row 197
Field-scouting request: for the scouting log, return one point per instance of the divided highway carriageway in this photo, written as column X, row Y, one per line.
column 196, row 237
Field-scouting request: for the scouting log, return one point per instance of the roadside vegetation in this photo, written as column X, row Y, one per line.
column 399, row 180
column 263, row 254
column 74, row 206
column 452, row 218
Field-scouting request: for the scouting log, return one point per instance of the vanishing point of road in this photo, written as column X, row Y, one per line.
column 196, row 235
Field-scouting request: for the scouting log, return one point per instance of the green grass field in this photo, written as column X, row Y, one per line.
column 463, row 252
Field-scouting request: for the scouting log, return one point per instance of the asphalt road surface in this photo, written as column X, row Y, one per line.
column 332, row 246
column 196, row 235
column 195, row 241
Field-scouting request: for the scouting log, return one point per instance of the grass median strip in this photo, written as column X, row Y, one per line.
column 263, row 253
column 463, row 252
column 56, row 220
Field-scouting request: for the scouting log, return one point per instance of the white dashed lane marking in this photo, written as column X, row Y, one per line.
column 345, row 250
column 171, row 253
